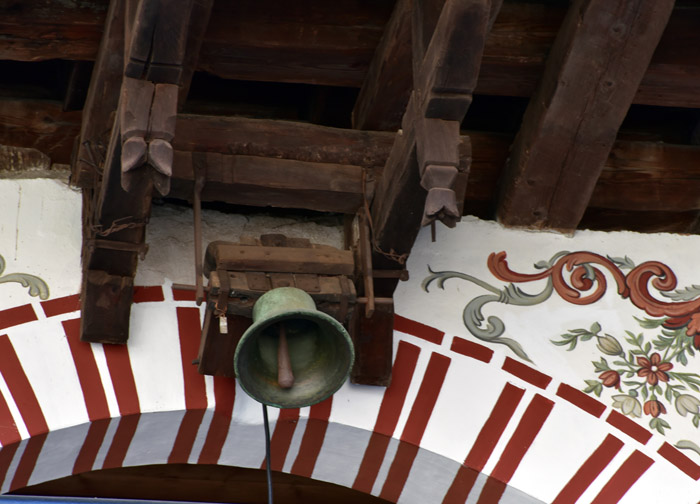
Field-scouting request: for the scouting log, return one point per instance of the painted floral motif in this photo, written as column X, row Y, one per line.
column 36, row 286
column 645, row 376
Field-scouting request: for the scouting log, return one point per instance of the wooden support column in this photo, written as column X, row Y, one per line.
column 592, row 74
column 442, row 94
column 150, row 37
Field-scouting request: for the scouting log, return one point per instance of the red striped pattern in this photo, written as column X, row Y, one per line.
column 417, row 329
column 525, row 433
column 59, row 306
column 626, row 476
column 486, row 441
column 281, row 438
column 26, row 464
column 7, row 453
column 16, row 316
column 629, row 427
column 471, row 349
column 388, row 417
column 526, row 373
column 224, row 395
column 194, row 385
column 85, row 460
column 21, row 390
column 583, row 401
column 589, row 471
column 313, row 438
column 8, row 429
column 680, row 461
column 122, row 376
column 417, row 421
column 148, row 294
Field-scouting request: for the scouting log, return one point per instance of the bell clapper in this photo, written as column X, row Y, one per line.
column 285, row 377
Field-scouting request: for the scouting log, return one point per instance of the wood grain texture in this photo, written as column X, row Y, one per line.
column 596, row 64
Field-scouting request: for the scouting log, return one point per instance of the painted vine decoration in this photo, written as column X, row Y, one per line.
column 36, row 286
column 645, row 375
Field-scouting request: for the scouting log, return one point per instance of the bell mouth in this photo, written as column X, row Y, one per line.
column 320, row 351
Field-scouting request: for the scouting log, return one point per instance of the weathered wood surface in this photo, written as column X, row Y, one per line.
column 320, row 42
column 373, row 345
column 261, row 181
column 597, row 61
column 41, row 125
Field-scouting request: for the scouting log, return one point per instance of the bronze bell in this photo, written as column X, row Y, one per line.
column 293, row 355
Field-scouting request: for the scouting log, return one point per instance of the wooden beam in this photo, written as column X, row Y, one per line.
column 448, row 70
column 592, row 74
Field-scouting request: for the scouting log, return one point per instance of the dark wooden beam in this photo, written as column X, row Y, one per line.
column 322, row 47
column 592, row 74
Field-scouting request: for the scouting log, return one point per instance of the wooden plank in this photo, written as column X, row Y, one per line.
column 216, row 350
column 109, row 300
column 282, row 183
column 320, row 260
column 372, row 338
column 594, row 69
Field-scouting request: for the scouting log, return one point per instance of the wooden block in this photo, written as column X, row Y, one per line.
column 216, row 350
column 105, row 303
column 372, row 338
column 322, row 261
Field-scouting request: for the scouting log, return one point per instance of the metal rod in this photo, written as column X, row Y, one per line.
column 267, row 454
column 285, row 377
column 377, row 300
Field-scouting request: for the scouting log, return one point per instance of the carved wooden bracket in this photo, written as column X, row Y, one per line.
column 147, row 116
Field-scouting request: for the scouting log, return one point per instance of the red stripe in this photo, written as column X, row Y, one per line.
column 184, row 295
column 529, row 426
column 417, row 421
column 16, row 316
column 224, row 395
column 417, row 329
column 88, row 374
column 471, row 349
column 481, row 450
column 61, row 305
column 195, row 386
column 680, row 461
column 190, row 333
column 583, row 401
column 526, row 373
column 8, row 428
column 388, row 417
column 7, row 453
column 589, row 471
column 628, row 426
column 281, row 438
column 28, row 461
column 122, row 377
column 21, row 389
column 313, row 438
column 148, row 294
column 91, row 445
column 186, row 436
column 492, row 491
column 626, row 476
column 121, row 441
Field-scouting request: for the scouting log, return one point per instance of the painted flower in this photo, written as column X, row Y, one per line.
column 627, row 404
column 654, row 408
column 653, row 369
column 609, row 345
column 610, row 378
column 686, row 403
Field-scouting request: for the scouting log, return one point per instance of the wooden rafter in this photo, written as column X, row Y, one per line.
column 591, row 77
